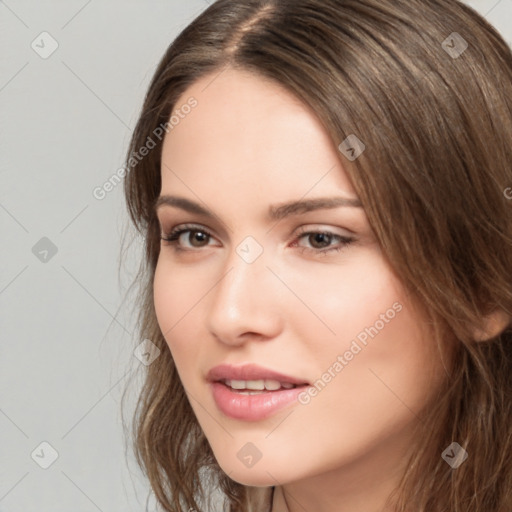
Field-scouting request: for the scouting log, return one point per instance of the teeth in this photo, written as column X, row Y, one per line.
column 258, row 385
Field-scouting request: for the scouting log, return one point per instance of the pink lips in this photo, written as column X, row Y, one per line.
column 253, row 407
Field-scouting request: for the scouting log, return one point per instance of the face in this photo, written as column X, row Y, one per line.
column 304, row 293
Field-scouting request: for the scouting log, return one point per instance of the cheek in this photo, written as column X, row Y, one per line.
column 362, row 313
column 341, row 300
column 388, row 370
column 175, row 296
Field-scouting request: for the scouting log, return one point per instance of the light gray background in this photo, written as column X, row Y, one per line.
column 66, row 351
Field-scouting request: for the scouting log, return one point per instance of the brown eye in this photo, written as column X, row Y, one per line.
column 197, row 238
column 185, row 238
column 321, row 242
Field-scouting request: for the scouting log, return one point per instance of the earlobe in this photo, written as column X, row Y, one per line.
column 493, row 324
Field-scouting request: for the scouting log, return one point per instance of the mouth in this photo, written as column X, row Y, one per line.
column 254, row 405
column 251, row 392
column 252, row 377
column 257, row 387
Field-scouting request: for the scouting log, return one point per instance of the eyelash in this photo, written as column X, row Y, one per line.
column 171, row 239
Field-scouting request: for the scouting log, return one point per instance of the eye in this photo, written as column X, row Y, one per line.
column 197, row 236
column 321, row 241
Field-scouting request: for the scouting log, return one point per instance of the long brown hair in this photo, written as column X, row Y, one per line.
column 427, row 87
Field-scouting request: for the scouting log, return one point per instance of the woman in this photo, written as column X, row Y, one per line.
column 322, row 188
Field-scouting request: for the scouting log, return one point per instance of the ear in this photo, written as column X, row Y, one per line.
column 493, row 324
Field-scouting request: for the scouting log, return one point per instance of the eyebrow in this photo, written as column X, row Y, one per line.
column 275, row 212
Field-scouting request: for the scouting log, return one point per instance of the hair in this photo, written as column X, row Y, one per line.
column 437, row 130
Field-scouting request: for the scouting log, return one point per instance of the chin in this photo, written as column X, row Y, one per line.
column 251, row 478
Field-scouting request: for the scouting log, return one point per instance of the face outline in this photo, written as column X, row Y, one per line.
column 249, row 144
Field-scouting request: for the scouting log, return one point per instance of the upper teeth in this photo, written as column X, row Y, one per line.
column 270, row 385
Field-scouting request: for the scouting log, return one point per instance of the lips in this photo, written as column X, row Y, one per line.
column 257, row 386
column 253, row 377
column 251, row 392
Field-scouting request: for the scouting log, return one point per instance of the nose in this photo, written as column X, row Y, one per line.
column 244, row 304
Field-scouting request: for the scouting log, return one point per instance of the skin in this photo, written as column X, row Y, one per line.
column 247, row 145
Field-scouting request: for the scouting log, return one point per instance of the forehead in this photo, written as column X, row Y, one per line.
column 250, row 134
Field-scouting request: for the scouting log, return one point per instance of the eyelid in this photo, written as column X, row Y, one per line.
column 329, row 229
